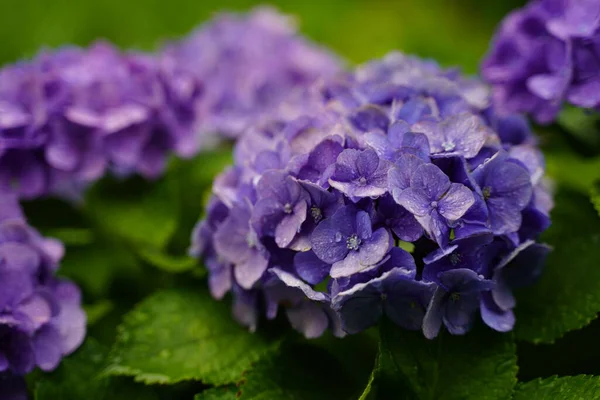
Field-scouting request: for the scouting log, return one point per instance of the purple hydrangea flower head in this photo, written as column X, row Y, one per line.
column 545, row 54
column 314, row 215
column 248, row 64
column 41, row 319
column 68, row 115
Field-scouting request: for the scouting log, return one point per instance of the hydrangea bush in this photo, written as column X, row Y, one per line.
column 399, row 215
column 400, row 152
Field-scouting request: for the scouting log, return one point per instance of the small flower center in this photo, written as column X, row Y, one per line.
column 316, row 213
column 455, row 297
column 434, row 204
column 362, row 181
column 448, row 146
column 455, row 258
column 487, row 192
column 353, row 242
column 287, row 208
column 250, row 240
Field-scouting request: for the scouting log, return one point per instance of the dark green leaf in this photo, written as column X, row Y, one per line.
column 97, row 311
column 567, row 296
column 596, row 196
column 582, row 124
column 140, row 212
column 299, row 371
column 219, row 393
column 572, row 171
column 167, row 262
column 174, row 336
column 72, row 236
column 479, row 365
column 579, row 387
column 78, row 377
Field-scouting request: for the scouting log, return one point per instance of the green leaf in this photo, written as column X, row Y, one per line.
column 72, row 236
column 95, row 266
column 567, row 295
column 479, row 365
column 596, row 196
column 140, row 212
column 167, row 262
column 582, row 124
column 572, row 171
column 180, row 335
column 97, row 311
column 579, row 387
column 219, row 393
column 299, row 371
column 78, row 377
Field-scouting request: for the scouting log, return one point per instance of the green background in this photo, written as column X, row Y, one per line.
column 452, row 31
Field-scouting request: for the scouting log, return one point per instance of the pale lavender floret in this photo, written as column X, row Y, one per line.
column 360, row 174
column 281, row 207
column 237, row 243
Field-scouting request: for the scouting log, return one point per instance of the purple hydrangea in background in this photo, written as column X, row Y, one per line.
column 247, row 64
column 545, row 54
column 312, row 216
column 69, row 115
column 41, row 319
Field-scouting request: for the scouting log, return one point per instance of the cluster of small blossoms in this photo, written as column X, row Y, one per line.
column 248, row 64
column 544, row 54
column 399, row 192
column 69, row 115
column 41, row 319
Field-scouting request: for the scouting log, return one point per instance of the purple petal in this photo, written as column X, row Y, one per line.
column 414, row 200
column 248, row 272
column 399, row 176
column 375, row 248
column 46, row 346
column 494, row 317
column 432, row 321
column 455, row 203
column 308, row 319
column 431, row 180
column 310, row 267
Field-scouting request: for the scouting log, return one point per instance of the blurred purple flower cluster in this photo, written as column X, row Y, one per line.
column 67, row 116
column 41, row 319
column 396, row 189
column 544, row 54
column 248, row 63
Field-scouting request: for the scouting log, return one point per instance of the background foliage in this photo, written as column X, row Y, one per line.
column 126, row 243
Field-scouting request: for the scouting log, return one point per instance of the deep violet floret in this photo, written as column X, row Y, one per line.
column 545, row 54
column 41, row 319
column 316, row 211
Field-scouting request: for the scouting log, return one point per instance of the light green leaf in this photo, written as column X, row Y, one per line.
column 582, row 124
column 299, row 371
column 219, row 393
column 71, row 236
column 180, row 335
column 140, row 212
column 78, row 377
column 572, row 171
column 579, row 387
column 567, row 296
column 479, row 365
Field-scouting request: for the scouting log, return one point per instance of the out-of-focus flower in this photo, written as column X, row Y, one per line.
column 248, row 64
column 311, row 216
column 545, row 54
column 41, row 319
column 67, row 116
